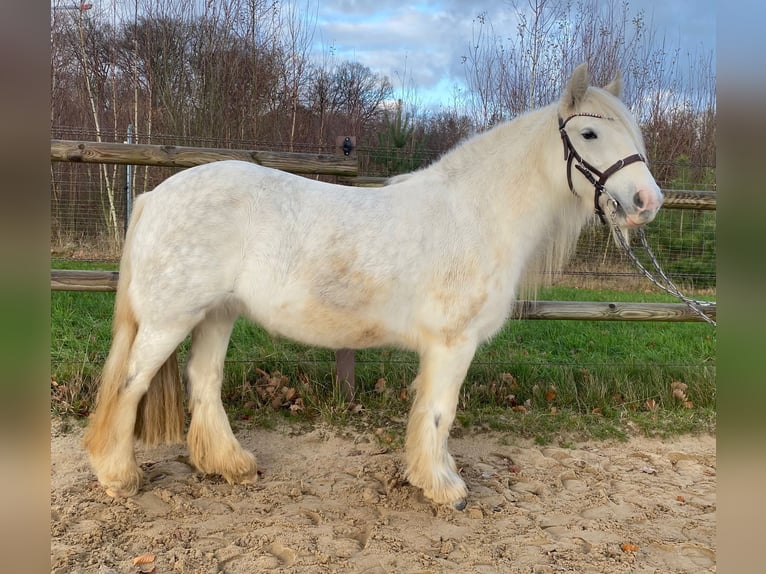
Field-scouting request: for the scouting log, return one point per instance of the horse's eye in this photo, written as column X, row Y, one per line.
column 589, row 135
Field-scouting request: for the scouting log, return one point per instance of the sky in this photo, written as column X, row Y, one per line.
column 424, row 41
column 421, row 44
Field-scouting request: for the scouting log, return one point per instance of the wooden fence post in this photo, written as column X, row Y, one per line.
column 345, row 359
column 345, row 362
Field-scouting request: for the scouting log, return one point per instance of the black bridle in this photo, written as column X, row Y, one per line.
column 588, row 170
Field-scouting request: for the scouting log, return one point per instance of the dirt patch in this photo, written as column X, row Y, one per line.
column 332, row 503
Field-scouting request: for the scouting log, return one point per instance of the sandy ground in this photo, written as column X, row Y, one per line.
column 332, row 503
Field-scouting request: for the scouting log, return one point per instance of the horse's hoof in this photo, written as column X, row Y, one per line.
column 460, row 504
column 120, row 492
column 122, row 489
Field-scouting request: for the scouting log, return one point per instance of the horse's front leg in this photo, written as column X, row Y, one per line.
column 437, row 387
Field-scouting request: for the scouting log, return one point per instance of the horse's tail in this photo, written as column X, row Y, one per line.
column 160, row 415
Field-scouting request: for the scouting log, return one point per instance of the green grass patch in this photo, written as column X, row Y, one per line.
column 544, row 379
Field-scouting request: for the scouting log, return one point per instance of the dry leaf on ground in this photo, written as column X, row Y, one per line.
column 144, row 558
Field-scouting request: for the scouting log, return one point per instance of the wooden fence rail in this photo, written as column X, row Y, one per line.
column 346, row 167
column 84, row 280
column 674, row 198
column 180, row 156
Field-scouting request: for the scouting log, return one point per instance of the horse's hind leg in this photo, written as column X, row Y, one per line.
column 213, row 448
column 110, row 445
column 437, row 387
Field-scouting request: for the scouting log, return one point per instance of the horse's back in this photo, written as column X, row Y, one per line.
column 188, row 245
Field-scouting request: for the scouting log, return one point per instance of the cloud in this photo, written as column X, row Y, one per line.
column 690, row 23
column 420, row 40
column 420, row 43
column 427, row 39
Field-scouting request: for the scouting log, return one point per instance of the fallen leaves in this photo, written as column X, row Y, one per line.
column 145, row 563
column 504, row 392
column 275, row 390
column 67, row 399
column 678, row 389
column 384, row 435
column 510, row 380
column 383, row 388
column 144, row 558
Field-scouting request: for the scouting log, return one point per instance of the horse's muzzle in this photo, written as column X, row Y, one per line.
column 646, row 203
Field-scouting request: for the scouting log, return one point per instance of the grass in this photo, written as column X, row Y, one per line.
column 545, row 379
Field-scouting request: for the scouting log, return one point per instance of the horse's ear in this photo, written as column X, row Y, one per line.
column 575, row 89
column 615, row 86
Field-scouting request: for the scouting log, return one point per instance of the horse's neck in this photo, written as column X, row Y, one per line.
column 516, row 154
column 516, row 169
column 517, row 175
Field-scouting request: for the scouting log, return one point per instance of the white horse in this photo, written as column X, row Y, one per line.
column 431, row 262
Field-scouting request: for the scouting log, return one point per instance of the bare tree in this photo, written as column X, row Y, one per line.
column 298, row 27
column 508, row 73
column 96, row 68
column 261, row 46
column 358, row 93
column 239, row 70
column 485, row 63
column 319, row 93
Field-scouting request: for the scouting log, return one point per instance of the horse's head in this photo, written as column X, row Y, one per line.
column 603, row 143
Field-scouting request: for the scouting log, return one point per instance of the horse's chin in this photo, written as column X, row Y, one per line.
column 617, row 217
column 613, row 212
column 619, row 222
column 621, row 230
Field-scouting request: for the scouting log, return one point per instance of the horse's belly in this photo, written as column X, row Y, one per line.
column 322, row 325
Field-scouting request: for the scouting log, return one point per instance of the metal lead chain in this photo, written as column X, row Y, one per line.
column 668, row 286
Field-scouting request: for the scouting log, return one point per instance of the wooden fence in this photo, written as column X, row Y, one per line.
column 181, row 156
column 346, row 168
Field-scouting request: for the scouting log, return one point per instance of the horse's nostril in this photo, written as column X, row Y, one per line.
column 638, row 201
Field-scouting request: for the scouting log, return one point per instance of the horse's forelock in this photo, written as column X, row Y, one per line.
column 610, row 106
